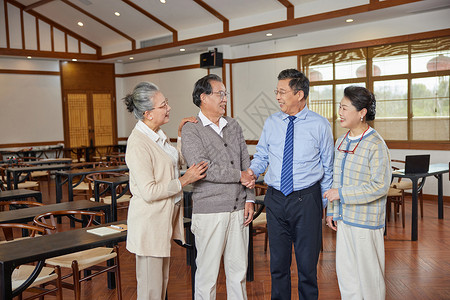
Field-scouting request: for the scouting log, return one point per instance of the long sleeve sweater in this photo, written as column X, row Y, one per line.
column 363, row 180
column 227, row 156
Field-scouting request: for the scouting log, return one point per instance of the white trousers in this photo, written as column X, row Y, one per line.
column 152, row 274
column 360, row 262
column 216, row 235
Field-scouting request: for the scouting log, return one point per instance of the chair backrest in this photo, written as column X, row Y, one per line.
column 28, row 158
column 399, row 164
column 87, row 218
column 8, row 230
column 260, row 189
column 101, row 175
column 6, row 205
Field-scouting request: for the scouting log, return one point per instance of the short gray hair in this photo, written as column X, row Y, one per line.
column 141, row 99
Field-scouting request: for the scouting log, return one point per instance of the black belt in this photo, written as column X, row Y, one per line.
column 308, row 190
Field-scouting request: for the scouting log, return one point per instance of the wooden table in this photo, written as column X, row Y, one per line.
column 31, row 152
column 25, row 215
column 50, row 161
column 20, row 194
column 15, row 172
column 38, row 249
column 71, row 174
column 436, row 170
column 112, row 183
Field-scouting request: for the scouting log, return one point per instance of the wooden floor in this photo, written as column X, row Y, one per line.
column 414, row 270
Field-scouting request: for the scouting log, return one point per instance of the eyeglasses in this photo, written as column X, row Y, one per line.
column 222, row 94
column 282, row 92
column 352, row 151
column 164, row 104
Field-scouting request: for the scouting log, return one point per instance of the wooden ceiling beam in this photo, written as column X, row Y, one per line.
column 155, row 19
column 215, row 13
column 269, row 26
column 52, row 54
column 133, row 41
column 58, row 26
column 290, row 8
column 36, row 4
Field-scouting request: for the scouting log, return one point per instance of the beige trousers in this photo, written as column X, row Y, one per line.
column 360, row 262
column 216, row 235
column 152, row 274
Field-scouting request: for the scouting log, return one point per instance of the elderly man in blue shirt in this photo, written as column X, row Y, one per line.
column 297, row 146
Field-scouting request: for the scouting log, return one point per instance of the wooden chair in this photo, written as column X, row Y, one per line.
column 17, row 204
column 26, row 184
column 36, row 175
column 396, row 197
column 123, row 198
column 260, row 222
column 22, row 274
column 407, row 184
column 88, row 260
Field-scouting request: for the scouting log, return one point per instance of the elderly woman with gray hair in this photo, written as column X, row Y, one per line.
column 154, row 215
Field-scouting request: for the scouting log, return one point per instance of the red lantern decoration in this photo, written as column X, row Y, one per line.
column 361, row 71
column 438, row 63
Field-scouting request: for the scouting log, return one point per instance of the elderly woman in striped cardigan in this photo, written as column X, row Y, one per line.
column 357, row 201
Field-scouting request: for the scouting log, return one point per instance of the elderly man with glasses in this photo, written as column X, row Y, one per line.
column 297, row 146
column 222, row 201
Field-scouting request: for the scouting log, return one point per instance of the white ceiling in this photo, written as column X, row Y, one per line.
column 191, row 21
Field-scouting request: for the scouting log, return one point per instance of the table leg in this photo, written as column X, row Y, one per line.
column 414, row 220
column 193, row 256
column 8, row 179
column 70, row 196
column 113, row 202
column 16, row 180
column 58, row 185
column 440, row 197
column 5, row 282
column 38, row 197
column 250, row 275
column 111, row 276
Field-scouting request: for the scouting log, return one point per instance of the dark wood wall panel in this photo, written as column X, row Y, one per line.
column 87, row 76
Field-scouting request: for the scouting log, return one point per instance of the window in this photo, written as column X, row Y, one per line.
column 410, row 82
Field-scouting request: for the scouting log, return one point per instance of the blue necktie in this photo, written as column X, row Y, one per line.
column 287, row 181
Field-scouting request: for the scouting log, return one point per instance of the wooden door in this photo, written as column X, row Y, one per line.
column 78, row 119
column 90, row 119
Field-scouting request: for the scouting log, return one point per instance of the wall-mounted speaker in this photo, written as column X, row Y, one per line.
column 211, row 59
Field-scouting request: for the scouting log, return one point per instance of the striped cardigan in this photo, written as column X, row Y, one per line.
column 363, row 180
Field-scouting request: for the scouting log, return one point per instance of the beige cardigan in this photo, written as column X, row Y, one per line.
column 153, row 219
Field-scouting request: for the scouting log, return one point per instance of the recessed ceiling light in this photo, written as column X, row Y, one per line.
column 162, row 1
column 80, row 24
column 119, row 60
column 74, row 59
column 349, row 20
column 131, row 57
column 268, row 34
column 182, row 49
column 29, row 57
column 117, row 13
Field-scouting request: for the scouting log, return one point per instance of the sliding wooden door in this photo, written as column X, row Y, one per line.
column 90, row 118
column 89, row 104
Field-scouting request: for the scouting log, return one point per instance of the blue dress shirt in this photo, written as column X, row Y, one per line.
column 313, row 151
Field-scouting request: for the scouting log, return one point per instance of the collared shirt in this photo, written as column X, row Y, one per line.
column 313, row 151
column 161, row 140
column 208, row 122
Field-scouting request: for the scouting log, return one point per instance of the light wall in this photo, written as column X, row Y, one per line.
column 31, row 105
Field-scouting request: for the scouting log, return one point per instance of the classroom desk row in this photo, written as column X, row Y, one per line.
column 40, row 248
